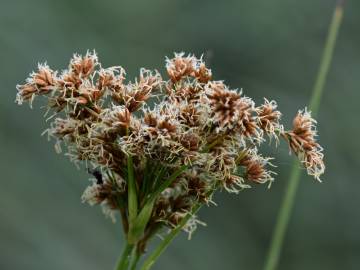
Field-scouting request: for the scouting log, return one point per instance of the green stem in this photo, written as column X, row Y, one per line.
column 168, row 182
column 136, row 257
column 138, row 225
column 132, row 194
column 289, row 196
column 124, row 260
column 149, row 262
column 283, row 218
column 326, row 57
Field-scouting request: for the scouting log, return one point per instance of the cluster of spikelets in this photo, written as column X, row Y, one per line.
column 158, row 147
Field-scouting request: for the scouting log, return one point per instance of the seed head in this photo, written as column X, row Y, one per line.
column 188, row 128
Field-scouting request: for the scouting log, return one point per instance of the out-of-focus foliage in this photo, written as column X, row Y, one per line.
column 269, row 48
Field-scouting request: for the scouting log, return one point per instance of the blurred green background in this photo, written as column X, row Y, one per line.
column 269, row 48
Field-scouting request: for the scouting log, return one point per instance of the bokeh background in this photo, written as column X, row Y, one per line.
column 269, row 48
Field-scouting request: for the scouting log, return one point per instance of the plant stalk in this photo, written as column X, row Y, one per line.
column 132, row 194
column 124, row 260
column 276, row 244
column 135, row 259
column 149, row 262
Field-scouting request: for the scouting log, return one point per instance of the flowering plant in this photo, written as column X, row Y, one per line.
column 159, row 148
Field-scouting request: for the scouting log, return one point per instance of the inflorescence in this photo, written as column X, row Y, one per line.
column 157, row 147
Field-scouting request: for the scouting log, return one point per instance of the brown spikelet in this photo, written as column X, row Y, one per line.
column 106, row 79
column 26, row 92
column 254, row 170
column 203, row 74
column 167, row 126
column 224, row 103
column 188, row 93
column 40, row 83
column 189, row 115
column 134, row 95
column 82, row 67
column 249, row 127
column 180, row 66
column 196, row 187
column 269, row 118
column 302, row 137
column 70, row 80
column 117, row 120
column 150, row 119
column 190, row 141
column 44, row 79
column 302, row 142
